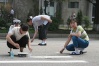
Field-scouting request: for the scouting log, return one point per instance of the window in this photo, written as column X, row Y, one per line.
column 73, row 5
column 50, row 7
column 52, row 4
column 3, row 0
column 93, row 13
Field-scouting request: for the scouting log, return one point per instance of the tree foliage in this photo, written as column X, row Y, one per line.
column 79, row 17
column 86, row 21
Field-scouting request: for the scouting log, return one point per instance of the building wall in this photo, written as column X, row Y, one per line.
column 90, row 11
column 22, row 8
column 51, row 10
column 83, row 6
column 25, row 8
column 5, row 4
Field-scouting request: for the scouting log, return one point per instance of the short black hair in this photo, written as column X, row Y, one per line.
column 29, row 19
column 24, row 27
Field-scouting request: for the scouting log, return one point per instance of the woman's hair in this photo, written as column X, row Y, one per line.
column 24, row 27
column 73, row 20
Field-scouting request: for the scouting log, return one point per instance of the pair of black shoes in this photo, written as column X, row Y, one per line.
column 42, row 44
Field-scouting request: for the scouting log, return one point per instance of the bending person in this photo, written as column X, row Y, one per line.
column 41, row 24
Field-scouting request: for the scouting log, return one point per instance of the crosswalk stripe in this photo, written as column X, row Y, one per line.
column 43, row 61
column 50, row 56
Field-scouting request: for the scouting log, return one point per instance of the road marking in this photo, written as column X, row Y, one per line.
column 51, row 57
column 58, row 52
column 43, row 61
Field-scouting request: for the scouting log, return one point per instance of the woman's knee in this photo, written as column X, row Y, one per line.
column 74, row 38
column 69, row 48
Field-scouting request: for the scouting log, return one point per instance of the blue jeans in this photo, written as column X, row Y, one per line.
column 77, row 43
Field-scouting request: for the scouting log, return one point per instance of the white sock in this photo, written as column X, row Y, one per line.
column 81, row 49
column 77, row 50
column 43, row 42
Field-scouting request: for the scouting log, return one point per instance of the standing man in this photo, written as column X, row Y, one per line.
column 12, row 12
column 40, row 23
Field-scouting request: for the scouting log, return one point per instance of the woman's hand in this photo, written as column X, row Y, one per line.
column 61, row 51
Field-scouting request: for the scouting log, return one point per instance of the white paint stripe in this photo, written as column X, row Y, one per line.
column 37, row 61
column 58, row 52
column 50, row 57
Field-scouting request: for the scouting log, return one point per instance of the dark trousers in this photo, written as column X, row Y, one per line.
column 22, row 42
column 42, row 30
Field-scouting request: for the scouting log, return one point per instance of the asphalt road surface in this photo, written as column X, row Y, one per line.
column 49, row 55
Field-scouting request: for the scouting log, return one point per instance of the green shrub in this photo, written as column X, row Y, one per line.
column 79, row 17
column 4, row 18
column 55, row 24
column 86, row 21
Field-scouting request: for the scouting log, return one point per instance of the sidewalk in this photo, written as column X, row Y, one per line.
column 3, row 35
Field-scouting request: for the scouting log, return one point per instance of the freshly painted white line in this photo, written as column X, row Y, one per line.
column 43, row 61
column 51, row 57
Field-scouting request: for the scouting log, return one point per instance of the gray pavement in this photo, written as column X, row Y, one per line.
column 49, row 56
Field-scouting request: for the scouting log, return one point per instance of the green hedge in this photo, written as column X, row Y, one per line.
column 55, row 24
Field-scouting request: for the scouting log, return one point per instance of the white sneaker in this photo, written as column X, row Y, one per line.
column 75, row 53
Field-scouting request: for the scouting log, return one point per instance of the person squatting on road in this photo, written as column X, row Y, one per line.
column 18, row 37
column 79, row 38
column 41, row 24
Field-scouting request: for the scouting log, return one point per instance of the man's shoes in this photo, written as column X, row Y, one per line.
column 42, row 44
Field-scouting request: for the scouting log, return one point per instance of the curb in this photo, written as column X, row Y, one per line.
column 3, row 35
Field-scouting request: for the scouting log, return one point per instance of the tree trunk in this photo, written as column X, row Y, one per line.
column 96, row 21
column 58, row 10
column 45, row 4
column 36, row 7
